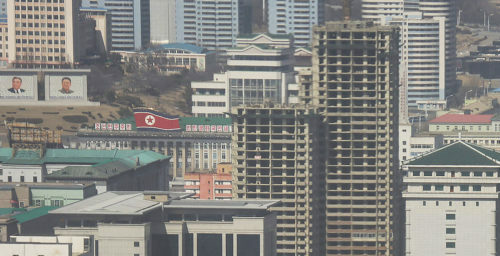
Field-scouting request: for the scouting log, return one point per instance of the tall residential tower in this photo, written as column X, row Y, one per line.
column 296, row 17
column 355, row 87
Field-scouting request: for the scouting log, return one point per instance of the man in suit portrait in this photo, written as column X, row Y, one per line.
column 16, row 85
column 66, row 85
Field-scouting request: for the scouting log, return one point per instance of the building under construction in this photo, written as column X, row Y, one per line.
column 23, row 135
column 355, row 89
column 277, row 152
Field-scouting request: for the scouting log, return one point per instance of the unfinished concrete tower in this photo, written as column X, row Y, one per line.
column 355, row 79
column 277, row 152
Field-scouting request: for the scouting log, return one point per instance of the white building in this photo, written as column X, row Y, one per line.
column 166, row 223
column 210, row 98
column 210, row 24
column 162, row 21
column 296, row 17
column 451, row 200
column 259, row 70
column 427, row 47
column 127, row 24
column 411, row 146
column 47, row 245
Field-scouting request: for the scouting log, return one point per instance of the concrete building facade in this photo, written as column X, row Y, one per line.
column 43, row 34
column 209, row 185
column 451, row 199
column 355, row 85
column 295, row 17
column 277, row 155
column 162, row 21
column 210, row 24
column 127, row 25
column 190, row 151
column 150, row 224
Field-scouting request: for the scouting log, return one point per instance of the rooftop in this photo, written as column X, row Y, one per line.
column 222, row 204
column 23, row 215
column 115, row 203
column 272, row 36
column 462, row 119
column 78, row 156
column 458, row 154
column 11, row 185
column 185, row 47
column 108, row 166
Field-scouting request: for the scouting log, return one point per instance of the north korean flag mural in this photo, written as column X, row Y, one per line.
column 150, row 120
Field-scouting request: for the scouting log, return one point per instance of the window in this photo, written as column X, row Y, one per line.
column 424, row 203
column 9, row 178
column 463, row 203
column 136, row 244
column 428, row 173
column 478, row 174
column 465, row 174
column 464, row 187
column 450, row 216
column 489, row 174
column 439, row 187
column 35, row 179
column 476, row 188
column 450, row 230
column 450, row 244
column 437, row 203
column 427, row 187
column 22, row 178
column 440, row 173
column 477, row 203
column 416, row 173
column 450, row 203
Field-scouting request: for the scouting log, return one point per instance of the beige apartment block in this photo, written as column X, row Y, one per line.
column 277, row 155
column 355, row 79
column 43, row 33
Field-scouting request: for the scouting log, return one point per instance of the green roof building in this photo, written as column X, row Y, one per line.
column 120, row 169
column 451, row 199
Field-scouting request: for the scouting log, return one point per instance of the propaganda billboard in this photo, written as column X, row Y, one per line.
column 65, row 87
column 18, row 87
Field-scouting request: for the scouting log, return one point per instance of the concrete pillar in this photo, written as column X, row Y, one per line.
column 235, row 244
column 195, row 244
column 223, row 244
column 183, row 159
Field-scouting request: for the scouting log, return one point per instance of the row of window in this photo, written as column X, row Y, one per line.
column 463, row 188
column 21, row 178
column 452, row 174
column 450, row 203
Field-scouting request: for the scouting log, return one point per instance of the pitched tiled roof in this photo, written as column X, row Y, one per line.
column 458, row 153
column 463, row 119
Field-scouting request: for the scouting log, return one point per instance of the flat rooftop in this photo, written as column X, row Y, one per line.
column 116, row 203
column 221, row 204
column 133, row 203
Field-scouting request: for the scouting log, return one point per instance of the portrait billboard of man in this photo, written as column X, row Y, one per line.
column 66, row 85
column 18, row 87
column 17, row 82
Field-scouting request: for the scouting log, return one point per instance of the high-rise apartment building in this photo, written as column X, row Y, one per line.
column 211, row 24
column 447, row 10
column 428, row 45
column 422, row 58
column 129, row 22
column 277, row 154
column 43, row 34
column 296, row 17
column 355, row 86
